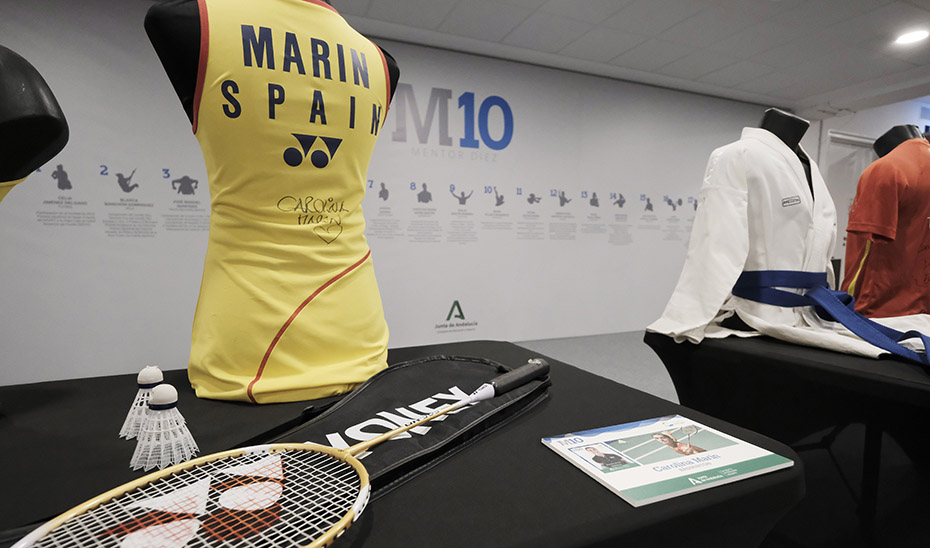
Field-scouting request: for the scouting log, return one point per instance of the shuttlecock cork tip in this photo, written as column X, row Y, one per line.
column 163, row 394
column 150, row 374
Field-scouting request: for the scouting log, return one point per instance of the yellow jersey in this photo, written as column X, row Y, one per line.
column 289, row 103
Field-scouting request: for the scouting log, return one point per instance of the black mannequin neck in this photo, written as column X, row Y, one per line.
column 787, row 127
column 894, row 137
column 32, row 127
column 173, row 27
column 790, row 129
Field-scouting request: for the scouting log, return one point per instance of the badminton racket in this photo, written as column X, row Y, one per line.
column 285, row 494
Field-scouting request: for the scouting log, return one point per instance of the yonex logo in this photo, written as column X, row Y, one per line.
column 319, row 158
column 215, row 507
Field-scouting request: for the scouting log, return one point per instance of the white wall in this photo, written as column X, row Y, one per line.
column 76, row 300
column 874, row 122
column 98, row 281
column 611, row 269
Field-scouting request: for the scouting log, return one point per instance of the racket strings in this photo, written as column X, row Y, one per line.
column 318, row 505
column 183, row 509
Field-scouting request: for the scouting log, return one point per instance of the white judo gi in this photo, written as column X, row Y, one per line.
column 755, row 213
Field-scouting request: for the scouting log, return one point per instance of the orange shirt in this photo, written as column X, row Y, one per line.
column 888, row 237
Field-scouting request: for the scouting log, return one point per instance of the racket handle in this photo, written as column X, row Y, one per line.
column 534, row 368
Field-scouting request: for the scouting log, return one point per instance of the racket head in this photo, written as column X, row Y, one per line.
column 298, row 494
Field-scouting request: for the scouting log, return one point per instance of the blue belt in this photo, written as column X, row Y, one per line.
column 838, row 306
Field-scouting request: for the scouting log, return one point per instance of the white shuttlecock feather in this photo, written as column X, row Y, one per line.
column 148, row 378
column 164, row 438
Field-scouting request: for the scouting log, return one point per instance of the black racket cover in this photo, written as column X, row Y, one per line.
column 410, row 389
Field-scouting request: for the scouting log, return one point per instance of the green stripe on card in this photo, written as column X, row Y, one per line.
column 701, row 478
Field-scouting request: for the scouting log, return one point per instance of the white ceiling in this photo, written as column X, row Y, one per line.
column 817, row 58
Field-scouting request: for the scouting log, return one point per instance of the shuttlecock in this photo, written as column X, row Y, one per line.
column 148, row 378
column 164, row 438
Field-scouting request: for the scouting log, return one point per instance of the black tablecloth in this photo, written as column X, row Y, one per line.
column 505, row 490
column 61, row 439
column 867, row 415
column 788, row 391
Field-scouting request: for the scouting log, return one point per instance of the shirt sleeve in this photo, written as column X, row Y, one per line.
column 875, row 206
column 716, row 253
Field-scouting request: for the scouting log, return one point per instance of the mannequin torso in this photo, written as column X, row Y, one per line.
column 887, row 235
column 173, row 27
column 289, row 307
column 32, row 127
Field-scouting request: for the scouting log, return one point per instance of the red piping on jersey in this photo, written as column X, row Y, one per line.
column 274, row 342
column 202, row 62
column 387, row 82
column 322, row 4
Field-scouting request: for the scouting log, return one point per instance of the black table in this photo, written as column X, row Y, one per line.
column 505, row 490
column 791, row 392
column 66, row 436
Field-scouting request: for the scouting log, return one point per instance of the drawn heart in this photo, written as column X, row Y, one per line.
column 328, row 233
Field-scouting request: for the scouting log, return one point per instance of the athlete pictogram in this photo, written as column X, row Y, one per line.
column 124, row 182
column 319, row 158
column 62, row 177
column 184, row 185
column 673, row 203
column 424, row 196
column 461, row 197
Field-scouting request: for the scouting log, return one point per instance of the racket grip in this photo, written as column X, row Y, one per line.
column 536, row 367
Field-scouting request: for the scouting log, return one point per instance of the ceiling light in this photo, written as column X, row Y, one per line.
column 911, row 37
